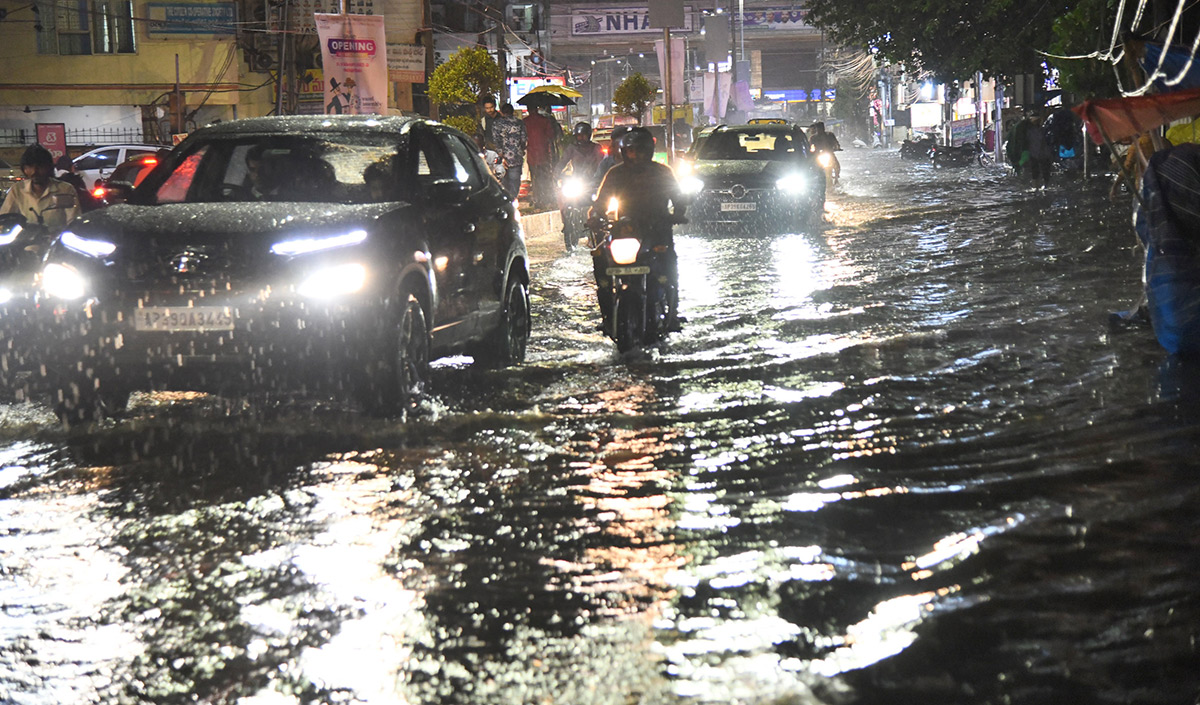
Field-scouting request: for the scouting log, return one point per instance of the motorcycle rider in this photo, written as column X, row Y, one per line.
column 823, row 141
column 580, row 160
column 41, row 198
column 646, row 191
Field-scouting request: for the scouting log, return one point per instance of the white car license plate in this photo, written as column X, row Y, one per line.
column 184, row 318
column 622, row 271
column 739, row 206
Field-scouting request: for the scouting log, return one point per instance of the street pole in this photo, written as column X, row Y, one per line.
column 668, row 105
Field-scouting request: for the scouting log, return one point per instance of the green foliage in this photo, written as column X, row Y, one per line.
column 1079, row 32
column 633, row 96
column 468, row 74
column 466, row 123
column 952, row 39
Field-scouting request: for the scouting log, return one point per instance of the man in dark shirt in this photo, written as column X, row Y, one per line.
column 647, row 192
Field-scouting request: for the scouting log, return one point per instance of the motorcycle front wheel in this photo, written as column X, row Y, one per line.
column 630, row 318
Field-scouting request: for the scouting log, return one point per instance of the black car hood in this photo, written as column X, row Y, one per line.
column 246, row 224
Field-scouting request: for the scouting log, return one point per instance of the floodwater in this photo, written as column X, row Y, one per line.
column 901, row 459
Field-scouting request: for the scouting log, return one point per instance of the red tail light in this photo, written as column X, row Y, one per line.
column 99, row 192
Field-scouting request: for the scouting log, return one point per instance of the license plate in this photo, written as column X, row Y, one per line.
column 622, row 271
column 188, row 318
column 739, row 206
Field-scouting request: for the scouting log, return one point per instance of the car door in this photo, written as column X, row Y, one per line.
column 485, row 211
column 449, row 233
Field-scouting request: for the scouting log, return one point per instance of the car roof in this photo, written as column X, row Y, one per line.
column 293, row 124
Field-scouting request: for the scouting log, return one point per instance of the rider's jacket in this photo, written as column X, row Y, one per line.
column 644, row 192
column 583, row 158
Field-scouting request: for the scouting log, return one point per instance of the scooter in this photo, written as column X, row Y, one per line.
column 642, row 297
column 962, row 155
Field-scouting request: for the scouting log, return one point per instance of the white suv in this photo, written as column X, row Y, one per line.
column 96, row 165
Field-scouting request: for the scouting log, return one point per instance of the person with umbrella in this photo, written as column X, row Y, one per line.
column 544, row 134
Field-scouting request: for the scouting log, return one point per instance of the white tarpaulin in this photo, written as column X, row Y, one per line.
column 354, row 54
column 677, row 61
column 717, row 86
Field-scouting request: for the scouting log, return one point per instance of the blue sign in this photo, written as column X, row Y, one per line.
column 800, row 95
column 192, row 18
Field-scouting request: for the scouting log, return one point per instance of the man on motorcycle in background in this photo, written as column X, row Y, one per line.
column 577, row 181
column 823, row 141
column 645, row 191
column 41, row 198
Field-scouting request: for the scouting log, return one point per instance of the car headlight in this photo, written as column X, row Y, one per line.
column 306, row 245
column 625, row 249
column 572, row 188
column 63, row 282
column 792, row 184
column 87, row 246
column 6, row 294
column 691, row 185
column 331, row 282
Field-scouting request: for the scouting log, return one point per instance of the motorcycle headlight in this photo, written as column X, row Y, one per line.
column 573, row 188
column 825, row 159
column 331, row 282
column 690, row 185
column 792, row 184
column 87, row 246
column 306, row 245
column 625, row 250
column 63, row 282
column 8, row 237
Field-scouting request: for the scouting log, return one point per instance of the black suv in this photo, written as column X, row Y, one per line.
column 320, row 253
column 752, row 179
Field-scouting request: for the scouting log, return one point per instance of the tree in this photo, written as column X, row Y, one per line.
column 633, row 96
column 950, row 39
column 459, row 82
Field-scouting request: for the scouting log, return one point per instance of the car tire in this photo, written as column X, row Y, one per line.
column 82, row 402
column 403, row 372
column 508, row 343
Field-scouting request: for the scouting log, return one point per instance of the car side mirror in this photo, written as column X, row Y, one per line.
column 117, row 191
column 448, row 191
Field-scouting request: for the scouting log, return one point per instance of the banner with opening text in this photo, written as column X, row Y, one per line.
column 354, row 57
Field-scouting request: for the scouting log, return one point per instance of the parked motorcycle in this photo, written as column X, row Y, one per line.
column 575, row 197
column 642, row 298
column 960, row 155
column 917, row 149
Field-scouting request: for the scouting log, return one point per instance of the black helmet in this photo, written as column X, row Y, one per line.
column 37, row 155
column 582, row 128
column 637, row 140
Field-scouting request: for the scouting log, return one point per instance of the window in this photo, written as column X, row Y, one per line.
column 102, row 159
column 73, row 27
column 466, row 170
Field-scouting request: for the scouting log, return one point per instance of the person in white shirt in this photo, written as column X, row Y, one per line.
column 41, row 198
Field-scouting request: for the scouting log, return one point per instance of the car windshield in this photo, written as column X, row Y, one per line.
column 764, row 145
column 297, row 168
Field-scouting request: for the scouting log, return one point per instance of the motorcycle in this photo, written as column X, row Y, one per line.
column 917, row 149
column 961, row 155
column 575, row 197
column 642, row 297
column 826, row 160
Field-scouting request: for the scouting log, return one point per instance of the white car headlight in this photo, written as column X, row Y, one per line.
column 691, row 185
column 625, row 249
column 334, row 281
column 63, row 282
column 306, row 245
column 792, row 183
column 87, row 246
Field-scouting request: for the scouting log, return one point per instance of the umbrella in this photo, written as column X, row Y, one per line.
column 545, row 99
column 556, row 89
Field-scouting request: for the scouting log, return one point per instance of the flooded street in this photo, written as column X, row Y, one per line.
column 901, row 459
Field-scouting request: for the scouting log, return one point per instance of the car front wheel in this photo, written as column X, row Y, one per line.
column 508, row 343
column 404, row 377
